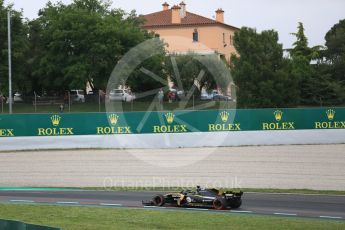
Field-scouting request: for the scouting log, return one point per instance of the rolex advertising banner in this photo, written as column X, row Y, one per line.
column 21, row 125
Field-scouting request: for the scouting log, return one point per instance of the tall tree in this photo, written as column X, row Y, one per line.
column 301, row 47
column 301, row 68
column 334, row 63
column 35, row 52
column 260, row 71
column 335, row 52
column 82, row 42
column 194, row 70
column 19, row 50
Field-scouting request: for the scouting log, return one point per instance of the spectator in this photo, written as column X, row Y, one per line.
column 102, row 95
column 61, row 108
column 66, row 98
column 160, row 96
column 173, row 96
column 170, row 96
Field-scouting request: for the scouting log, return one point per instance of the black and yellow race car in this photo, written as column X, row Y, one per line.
column 200, row 198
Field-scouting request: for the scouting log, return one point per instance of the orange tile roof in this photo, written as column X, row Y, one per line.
column 163, row 19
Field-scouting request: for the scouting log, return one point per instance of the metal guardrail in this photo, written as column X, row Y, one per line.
column 17, row 225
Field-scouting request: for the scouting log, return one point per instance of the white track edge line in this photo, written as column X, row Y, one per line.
column 66, row 202
column 331, row 217
column 106, row 204
column 24, row 201
column 285, row 214
column 238, row 211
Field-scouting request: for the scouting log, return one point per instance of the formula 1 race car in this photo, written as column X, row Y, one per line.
column 201, row 198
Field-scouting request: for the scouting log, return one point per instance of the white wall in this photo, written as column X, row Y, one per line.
column 191, row 140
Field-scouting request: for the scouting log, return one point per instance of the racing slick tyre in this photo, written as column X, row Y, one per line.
column 236, row 204
column 219, row 203
column 158, row 200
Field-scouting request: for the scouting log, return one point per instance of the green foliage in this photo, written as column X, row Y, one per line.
column 310, row 76
column 141, row 69
column 139, row 81
column 335, row 52
column 69, row 45
column 302, row 69
column 334, row 62
column 321, row 83
column 301, row 48
column 207, row 71
column 335, row 42
column 19, row 50
column 82, row 42
column 182, row 70
column 260, row 71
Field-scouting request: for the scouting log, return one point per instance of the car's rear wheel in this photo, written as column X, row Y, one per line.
column 158, row 200
column 219, row 204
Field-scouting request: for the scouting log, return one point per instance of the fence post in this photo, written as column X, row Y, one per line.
column 193, row 102
column 35, row 102
column 2, row 104
column 69, row 101
column 99, row 100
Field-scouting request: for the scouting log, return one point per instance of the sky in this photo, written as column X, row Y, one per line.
column 318, row 16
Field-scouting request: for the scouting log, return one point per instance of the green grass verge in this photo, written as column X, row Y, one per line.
column 263, row 190
column 70, row 218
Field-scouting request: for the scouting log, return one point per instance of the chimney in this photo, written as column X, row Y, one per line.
column 175, row 15
column 183, row 9
column 165, row 6
column 220, row 15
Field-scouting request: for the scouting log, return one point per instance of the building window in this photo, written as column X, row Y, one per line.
column 195, row 35
column 223, row 37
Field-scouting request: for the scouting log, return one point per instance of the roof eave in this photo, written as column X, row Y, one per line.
column 190, row 25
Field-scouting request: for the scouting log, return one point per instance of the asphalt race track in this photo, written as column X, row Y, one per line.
column 290, row 205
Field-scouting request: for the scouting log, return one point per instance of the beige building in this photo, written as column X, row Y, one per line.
column 188, row 32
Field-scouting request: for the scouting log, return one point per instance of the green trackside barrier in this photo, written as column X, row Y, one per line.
column 16, row 225
column 171, row 122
